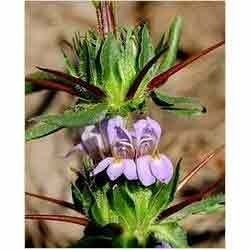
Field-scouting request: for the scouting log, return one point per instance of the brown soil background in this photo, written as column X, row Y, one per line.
column 46, row 24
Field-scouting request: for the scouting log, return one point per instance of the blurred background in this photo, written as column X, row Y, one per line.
column 47, row 173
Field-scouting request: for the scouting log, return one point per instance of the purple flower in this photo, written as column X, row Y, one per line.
column 151, row 165
column 94, row 141
column 135, row 153
column 123, row 152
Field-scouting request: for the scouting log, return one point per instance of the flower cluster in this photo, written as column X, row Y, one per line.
column 133, row 152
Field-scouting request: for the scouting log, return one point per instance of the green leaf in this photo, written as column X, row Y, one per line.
column 163, row 195
column 173, row 44
column 48, row 124
column 181, row 106
column 127, row 61
column 93, row 44
column 82, row 199
column 123, row 206
column 70, row 66
column 146, row 52
column 171, row 233
column 100, row 209
column 109, row 59
column 42, row 128
column 87, row 116
column 38, row 75
column 141, row 197
column 161, row 43
column 146, row 47
column 205, row 206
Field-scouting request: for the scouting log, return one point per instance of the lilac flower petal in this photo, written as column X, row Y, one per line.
column 155, row 126
column 113, row 123
column 143, row 170
column 102, row 128
column 139, row 127
column 115, row 170
column 162, row 168
column 102, row 165
column 92, row 139
column 130, row 169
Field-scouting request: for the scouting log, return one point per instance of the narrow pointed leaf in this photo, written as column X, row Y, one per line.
column 205, row 206
column 136, row 83
column 181, row 106
column 189, row 200
column 146, row 49
column 49, row 84
column 48, row 124
column 58, row 202
column 173, row 44
column 89, row 115
column 75, row 80
column 71, row 68
column 198, row 167
column 32, row 86
column 160, row 79
column 41, row 129
column 59, row 218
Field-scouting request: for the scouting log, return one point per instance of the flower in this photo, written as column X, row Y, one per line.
column 150, row 164
column 123, row 152
column 94, row 141
column 135, row 153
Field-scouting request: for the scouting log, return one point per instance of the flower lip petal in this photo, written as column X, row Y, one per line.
column 130, row 169
column 102, row 166
column 144, row 172
column 115, row 170
column 162, row 168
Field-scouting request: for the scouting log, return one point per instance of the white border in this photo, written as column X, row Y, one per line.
column 12, row 125
column 237, row 124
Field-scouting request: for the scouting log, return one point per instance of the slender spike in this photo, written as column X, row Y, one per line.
column 194, row 198
column 75, row 80
column 58, row 202
column 99, row 21
column 49, row 84
column 142, row 73
column 198, row 167
column 62, row 218
column 105, row 17
column 112, row 15
column 163, row 77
